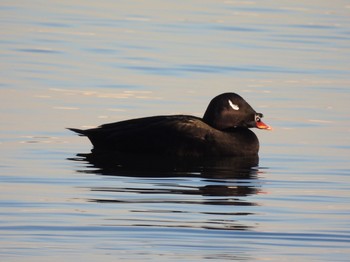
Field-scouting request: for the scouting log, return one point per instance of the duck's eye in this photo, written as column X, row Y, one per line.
column 258, row 117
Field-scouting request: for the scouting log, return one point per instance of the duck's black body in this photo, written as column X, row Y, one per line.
column 223, row 131
column 171, row 135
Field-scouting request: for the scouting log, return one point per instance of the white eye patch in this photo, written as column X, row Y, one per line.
column 234, row 106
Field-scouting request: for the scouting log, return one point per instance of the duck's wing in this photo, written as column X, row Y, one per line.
column 177, row 135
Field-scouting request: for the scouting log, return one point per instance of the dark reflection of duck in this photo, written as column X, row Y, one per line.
column 164, row 166
column 223, row 131
column 222, row 171
column 163, row 186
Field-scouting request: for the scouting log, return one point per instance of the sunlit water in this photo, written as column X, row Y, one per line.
column 81, row 64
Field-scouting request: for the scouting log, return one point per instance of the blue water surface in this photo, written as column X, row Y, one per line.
column 81, row 64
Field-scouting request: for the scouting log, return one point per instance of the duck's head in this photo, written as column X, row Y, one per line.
column 230, row 110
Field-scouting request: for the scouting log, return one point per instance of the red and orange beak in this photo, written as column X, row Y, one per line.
column 261, row 125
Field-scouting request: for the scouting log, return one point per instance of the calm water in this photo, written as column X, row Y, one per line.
column 83, row 63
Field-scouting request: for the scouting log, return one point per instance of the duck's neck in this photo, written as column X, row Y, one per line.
column 236, row 129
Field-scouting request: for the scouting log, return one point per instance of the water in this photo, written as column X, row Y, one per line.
column 81, row 64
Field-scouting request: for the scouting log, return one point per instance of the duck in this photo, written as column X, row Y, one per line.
column 223, row 131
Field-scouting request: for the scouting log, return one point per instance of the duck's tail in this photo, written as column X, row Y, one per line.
column 78, row 131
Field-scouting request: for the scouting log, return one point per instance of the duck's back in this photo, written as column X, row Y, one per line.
column 178, row 135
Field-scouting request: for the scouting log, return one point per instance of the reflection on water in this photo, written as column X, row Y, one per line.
column 170, row 186
column 158, row 166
